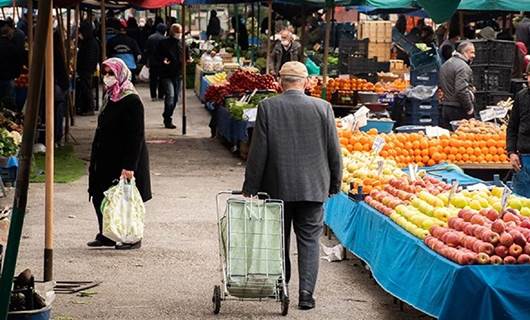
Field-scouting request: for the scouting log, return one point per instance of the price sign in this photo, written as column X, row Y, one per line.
column 504, row 199
column 380, row 165
column 493, row 113
column 454, row 188
column 412, row 172
column 348, row 121
column 378, row 145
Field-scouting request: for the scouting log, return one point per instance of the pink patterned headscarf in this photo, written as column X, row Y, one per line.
column 123, row 86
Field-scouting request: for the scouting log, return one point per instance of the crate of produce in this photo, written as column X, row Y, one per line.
column 367, row 66
column 424, row 78
column 491, row 77
column 425, row 60
column 414, row 105
column 353, row 47
column 379, row 51
column 422, row 119
column 376, row 31
column 496, row 52
column 489, row 98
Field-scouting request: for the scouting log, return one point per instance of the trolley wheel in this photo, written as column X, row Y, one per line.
column 284, row 302
column 216, row 299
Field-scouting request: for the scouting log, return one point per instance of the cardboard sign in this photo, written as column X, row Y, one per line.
column 493, row 113
column 504, row 199
column 378, row 145
column 454, row 188
column 380, row 166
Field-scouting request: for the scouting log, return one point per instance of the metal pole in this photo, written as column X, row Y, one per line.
column 103, row 31
column 461, row 23
column 50, row 148
column 269, row 35
column 238, row 49
column 184, row 62
column 326, row 52
column 30, row 30
column 26, row 149
column 69, row 71
column 74, row 56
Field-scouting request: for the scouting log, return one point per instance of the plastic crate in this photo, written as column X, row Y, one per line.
column 496, row 52
column 422, row 61
column 9, row 175
column 492, row 77
column 422, row 119
column 363, row 65
column 489, row 98
column 382, row 126
column 353, row 47
column 426, row 106
column 425, row 78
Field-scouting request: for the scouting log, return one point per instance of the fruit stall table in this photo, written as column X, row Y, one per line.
column 406, row 268
column 486, row 171
column 233, row 131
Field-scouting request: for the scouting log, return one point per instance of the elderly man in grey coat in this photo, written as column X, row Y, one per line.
column 295, row 157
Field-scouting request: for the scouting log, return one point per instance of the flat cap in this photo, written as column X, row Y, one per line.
column 293, row 69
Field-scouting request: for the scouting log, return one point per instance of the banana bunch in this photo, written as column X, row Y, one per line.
column 217, row 79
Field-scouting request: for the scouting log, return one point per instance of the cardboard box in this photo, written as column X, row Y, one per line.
column 381, row 51
column 376, row 31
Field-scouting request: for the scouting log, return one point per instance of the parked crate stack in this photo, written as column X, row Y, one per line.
column 379, row 34
column 492, row 71
column 422, row 112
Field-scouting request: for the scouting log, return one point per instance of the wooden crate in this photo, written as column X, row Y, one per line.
column 376, row 31
column 381, row 51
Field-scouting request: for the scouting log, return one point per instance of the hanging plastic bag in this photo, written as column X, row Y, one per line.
column 312, row 68
column 144, row 74
column 123, row 213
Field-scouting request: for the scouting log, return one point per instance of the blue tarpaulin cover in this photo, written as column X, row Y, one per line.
column 405, row 267
column 234, row 131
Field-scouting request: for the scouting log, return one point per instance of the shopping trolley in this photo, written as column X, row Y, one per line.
column 251, row 250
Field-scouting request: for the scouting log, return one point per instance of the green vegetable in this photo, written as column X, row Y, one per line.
column 8, row 146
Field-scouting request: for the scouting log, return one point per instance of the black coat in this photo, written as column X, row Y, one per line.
column 11, row 59
column 88, row 54
column 170, row 49
column 119, row 143
column 518, row 131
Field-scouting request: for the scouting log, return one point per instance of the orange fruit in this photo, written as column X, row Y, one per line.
column 349, row 148
column 343, row 141
column 384, row 154
column 418, row 158
column 451, row 158
column 496, row 158
column 431, row 163
column 454, row 150
column 465, row 157
column 447, row 150
column 462, row 150
column 478, row 151
column 424, row 152
column 425, row 159
column 417, row 152
column 358, row 147
column 488, row 157
column 500, row 151
column 473, row 158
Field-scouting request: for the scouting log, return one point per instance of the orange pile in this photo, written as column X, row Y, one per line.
column 417, row 148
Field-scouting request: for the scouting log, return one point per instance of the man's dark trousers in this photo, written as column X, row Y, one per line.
column 307, row 220
column 155, row 83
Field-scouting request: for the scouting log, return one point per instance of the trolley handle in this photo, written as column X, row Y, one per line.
column 261, row 195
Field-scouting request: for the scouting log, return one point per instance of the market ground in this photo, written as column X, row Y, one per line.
column 173, row 274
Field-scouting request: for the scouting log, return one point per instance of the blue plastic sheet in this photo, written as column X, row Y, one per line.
column 449, row 173
column 203, row 87
column 234, row 131
column 409, row 270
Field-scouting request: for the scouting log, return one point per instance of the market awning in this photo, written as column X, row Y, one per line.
column 142, row 4
column 497, row 5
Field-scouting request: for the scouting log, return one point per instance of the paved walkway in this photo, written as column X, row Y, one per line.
column 173, row 275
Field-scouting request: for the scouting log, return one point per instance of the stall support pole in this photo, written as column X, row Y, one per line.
column 236, row 15
column 461, row 23
column 69, row 70
column 103, row 31
column 74, row 59
column 269, row 35
column 26, row 149
column 30, row 30
column 326, row 50
column 184, row 64
column 50, row 148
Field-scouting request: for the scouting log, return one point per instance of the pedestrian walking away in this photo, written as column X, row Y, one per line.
column 295, row 156
column 87, row 61
column 118, row 149
column 154, row 62
column 126, row 48
column 457, row 96
column 170, row 51
column 518, row 141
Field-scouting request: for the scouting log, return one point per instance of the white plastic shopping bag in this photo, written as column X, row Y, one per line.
column 144, row 74
column 123, row 213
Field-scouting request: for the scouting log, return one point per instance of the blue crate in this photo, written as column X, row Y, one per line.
column 424, row 78
column 382, row 126
column 422, row 119
column 415, row 105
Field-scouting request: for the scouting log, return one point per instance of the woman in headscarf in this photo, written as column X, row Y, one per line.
column 119, row 149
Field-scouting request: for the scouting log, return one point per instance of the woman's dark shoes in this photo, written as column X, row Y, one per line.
column 170, row 126
column 101, row 243
column 129, row 246
column 306, row 300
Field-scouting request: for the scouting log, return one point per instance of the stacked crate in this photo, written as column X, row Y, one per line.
column 492, row 71
column 380, row 35
column 422, row 112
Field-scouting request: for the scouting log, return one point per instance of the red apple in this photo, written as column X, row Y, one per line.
column 511, row 224
column 509, row 260
column 498, row 226
column 469, row 229
column 492, row 215
column 477, row 219
column 501, row 251
column 483, row 212
column 486, row 248
column 506, row 239
column 469, row 243
column 526, row 249
column 515, row 250
column 466, row 214
column 518, row 237
column 523, row 259
column 508, row 216
column 495, row 260
column 525, row 223
column 461, row 225
column 451, row 222
column 438, row 231
column 452, row 239
column 479, row 230
column 483, row 258
column 490, row 236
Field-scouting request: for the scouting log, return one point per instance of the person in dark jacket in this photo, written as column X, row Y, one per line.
column 518, row 141
column 456, row 86
column 522, row 31
column 11, row 61
column 170, row 51
column 295, row 156
column 133, row 31
column 126, row 48
column 241, row 30
column 118, row 149
column 285, row 50
column 87, row 61
column 154, row 62
column 214, row 26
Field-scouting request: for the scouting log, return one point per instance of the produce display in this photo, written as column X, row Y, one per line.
column 240, row 82
column 217, row 79
column 238, row 107
column 479, row 127
column 417, row 148
column 22, row 81
column 349, row 86
column 9, row 142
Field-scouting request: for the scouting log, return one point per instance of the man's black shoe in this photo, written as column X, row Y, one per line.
column 101, row 243
column 170, row 126
column 305, row 300
column 129, row 246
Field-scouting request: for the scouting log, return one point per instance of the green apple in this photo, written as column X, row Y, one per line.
column 525, row 202
column 497, row 192
column 514, row 203
column 525, row 211
column 459, row 201
column 475, row 204
column 484, row 202
column 444, row 198
column 427, row 224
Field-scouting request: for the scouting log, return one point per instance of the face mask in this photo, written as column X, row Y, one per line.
column 286, row 43
column 55, row 24
column 109, row 81
column 177, row 35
